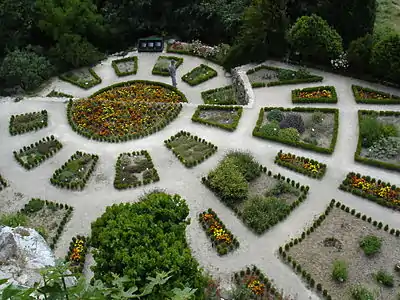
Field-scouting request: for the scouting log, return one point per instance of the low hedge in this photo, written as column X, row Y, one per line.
column 296, row 98
column 207, row 93
column 303, row 195
column 30, row 165
column 312, row 78
column 39, row 120
column 388, row 98
column 119, row 183
column 79, row 185
column 54, row 93
column 347, row 186
column 257, row 133
column 229, row 127
column 280, row 160
column 76, row 256
column 297, row 268
column 211, row 73
column 95, row 81
column 119, row 73
column 157, row 71
column 371, row 161
column 209, row 218
column 3, row 183
column 182, row 159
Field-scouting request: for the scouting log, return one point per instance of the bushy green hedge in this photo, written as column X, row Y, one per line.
column 77, row 264
column 389, row 99
column 157, row 71
column 95, row 81
column 210, row 73
column 296, row 98
column 56, row 181
column 54, row 93
column 3, row 183
column 119, row 73
column 229, row 127
column 370, row 161
column 258, row 133
column 19, row 123
column 30, row 165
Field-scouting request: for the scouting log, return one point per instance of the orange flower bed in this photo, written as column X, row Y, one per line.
column 316, row 94
column 372, row 95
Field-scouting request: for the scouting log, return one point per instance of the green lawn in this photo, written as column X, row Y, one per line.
column 388, row 14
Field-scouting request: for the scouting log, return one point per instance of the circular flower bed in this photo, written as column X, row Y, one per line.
column 125, row 111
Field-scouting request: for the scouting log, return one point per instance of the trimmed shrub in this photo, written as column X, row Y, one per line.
column 293, row 120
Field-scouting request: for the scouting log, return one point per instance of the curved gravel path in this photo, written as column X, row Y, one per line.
column 175, row 178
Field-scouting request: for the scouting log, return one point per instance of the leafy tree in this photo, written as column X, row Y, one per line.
column 315, row 40
column 25, row 69
column 359, row 53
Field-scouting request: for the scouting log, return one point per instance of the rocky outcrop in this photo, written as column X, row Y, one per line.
column 242, row 86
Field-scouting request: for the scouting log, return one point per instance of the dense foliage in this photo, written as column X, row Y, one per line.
column 143, row 239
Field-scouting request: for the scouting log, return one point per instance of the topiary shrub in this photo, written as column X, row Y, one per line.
column 293, row 120
column 289, row 134
column 275, row 115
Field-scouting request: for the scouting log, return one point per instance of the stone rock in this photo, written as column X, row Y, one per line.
column 242, row 86
column 8, row 247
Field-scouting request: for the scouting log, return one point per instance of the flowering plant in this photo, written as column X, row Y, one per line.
column 374, row 188
column 341, row 62
column 301, row 164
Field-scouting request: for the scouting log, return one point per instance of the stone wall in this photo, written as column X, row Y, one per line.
column 242, row 86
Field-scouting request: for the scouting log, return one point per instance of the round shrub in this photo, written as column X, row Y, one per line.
column 293, row 120
column 270, row 129
column 289, row 134
column 275, row 115
column 370, row 244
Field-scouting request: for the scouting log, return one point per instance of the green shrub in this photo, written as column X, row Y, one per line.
column 339, row 272
column 42, row 231
column 370, row 244
column 275, row 115
column 282, row 187
column 317, row 117
column 270, row 129
column 34, row 205
column 293, row 120
column 13, row 220
column 389, row 130
column 359, row 53
column 289, row 134
column 359, row 292
column 370, row 130
column 246, row 164
column 384, row 278
column 384, row 148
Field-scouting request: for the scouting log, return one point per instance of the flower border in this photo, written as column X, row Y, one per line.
column 356, row 92
column 370, row 161
column 115, row 62
column 229, row 127
column 81, row 185
column 298, row 169
column 196, row 138
column 257, row 133
column 156, row 71
column 204, row 94
column 117, row 182
column 96, row 80
column 41, row 159
column 297, row 268
column 78, row 268
column 200, row 79
column 297, row 99
column 33, row 127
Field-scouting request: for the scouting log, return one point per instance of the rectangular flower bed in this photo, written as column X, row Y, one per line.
column 54, row 93
column 84, row 78
column 369, row 96
column 379, row 139
column 134, row 169
column 310, row 128
column 220, row 96
column 190, row 150
column 28, row 122
column 77, row 253
column 162, row 63
column 225, row 117
column 221, row 237
column 344, row 254
column 125, row 66
column 372, row 189
column 31, row 156
column 199, row 74
column 301, row 165
column 47, row 218
column 75, row 172
column 3, row 183
column 262, row 76
column 318, row 94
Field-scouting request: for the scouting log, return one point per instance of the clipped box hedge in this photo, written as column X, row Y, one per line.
column 209, row 73
column 228, row 127
column 386, row 98
column 119, row 73
column 162, row 72
column 95, row 81
column 257, row 133
column 296, row 97
column 27, row 122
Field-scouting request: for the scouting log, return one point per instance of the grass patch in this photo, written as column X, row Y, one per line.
column 199, row 74
column 28, row 122
column 220, row 96
column 225, row 117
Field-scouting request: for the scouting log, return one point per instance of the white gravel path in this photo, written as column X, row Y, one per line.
column 175, row 178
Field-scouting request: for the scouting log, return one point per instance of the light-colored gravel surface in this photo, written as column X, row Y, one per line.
column 175, row 178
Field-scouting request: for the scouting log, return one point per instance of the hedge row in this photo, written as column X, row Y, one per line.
column 95, row 81
column 347, row 187
column 296, row 98
column 303, row 195
column 192, row 54
column 258, row 133
column 54, row 93
column 18, row 123
column 119, row 184
column 371, row 161
column 222, row 246
column 203, row 72
column 77, row 251
column 68, row 212
column 38, row 160
column 119, row 73
column 283, row 250
column 300, row 169
column 387, row 98
column 162, row 72
column 78, row 185
column 230, row 127
column 206, row 94
column 181, row 158
column 3, row 183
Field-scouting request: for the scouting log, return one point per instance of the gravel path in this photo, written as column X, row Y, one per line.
column 175, row 178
